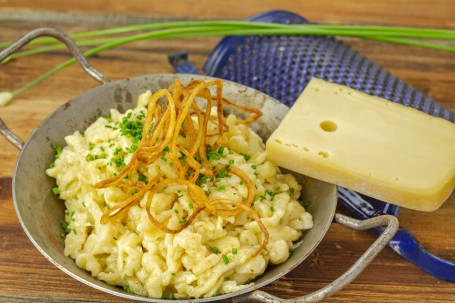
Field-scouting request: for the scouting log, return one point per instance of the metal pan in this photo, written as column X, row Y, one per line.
column 40, row 213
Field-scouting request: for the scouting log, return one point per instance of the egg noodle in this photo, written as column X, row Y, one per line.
column 173, row 200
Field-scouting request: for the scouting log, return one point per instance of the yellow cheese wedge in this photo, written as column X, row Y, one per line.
column 373, row 146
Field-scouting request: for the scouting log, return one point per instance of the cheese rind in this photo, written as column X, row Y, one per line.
column 368, row 144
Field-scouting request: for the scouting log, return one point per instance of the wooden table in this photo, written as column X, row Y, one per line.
column 26, row 276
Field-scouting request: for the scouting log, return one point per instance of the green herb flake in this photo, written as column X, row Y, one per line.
column 56, row 191
column 272, row 209
column 271, row 194
column 292, row 191
column 65, row 227
column 117, row 151
column 126, row 288
column 221, row 187
column 58, row 150
column 234, row 251
column 91, row 145
column 143, row 179
column 182, row 221
column 305, row 203
column 245, row 156
column 225, row 259
column 215, row 250
column 52, row 165
column 190, row 206
column 140, row 116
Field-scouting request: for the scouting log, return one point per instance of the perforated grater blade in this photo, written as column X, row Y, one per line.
column 281, row 66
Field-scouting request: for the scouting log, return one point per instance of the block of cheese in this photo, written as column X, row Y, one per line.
column 373, row 146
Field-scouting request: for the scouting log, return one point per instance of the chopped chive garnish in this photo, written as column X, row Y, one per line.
column 55, row 191
column 190, row 206
column 305, row 203
column 58, row 150
column 215, row 250
column 292, row 191
column 182, row 221
column 126, row 288
column 234, row 251
column 65, row 227
column 225, row 259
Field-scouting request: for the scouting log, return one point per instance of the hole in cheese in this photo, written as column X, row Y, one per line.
column 329, row 126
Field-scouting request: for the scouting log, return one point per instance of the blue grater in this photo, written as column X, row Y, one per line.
column 282, row 65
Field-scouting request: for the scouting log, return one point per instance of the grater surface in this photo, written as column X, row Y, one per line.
column 281, row 66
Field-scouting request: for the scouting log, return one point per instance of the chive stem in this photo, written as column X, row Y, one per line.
column 194, row 29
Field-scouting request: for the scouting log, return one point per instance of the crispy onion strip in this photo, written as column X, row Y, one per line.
column 249, row 184
column 197, row 192
column 256, row 112
column 119, row 208
column 253, row 214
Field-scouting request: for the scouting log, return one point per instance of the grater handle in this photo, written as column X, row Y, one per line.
column 181, row 64
column 62, row 37
column 388, row 232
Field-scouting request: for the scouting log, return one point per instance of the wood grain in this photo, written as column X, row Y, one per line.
column 29, row 277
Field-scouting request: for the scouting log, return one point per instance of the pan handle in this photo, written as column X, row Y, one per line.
column 62, row 37
column 10, row 136
column 389, row 231
column 24, row 40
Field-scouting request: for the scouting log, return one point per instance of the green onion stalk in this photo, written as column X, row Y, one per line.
column 113, row 37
